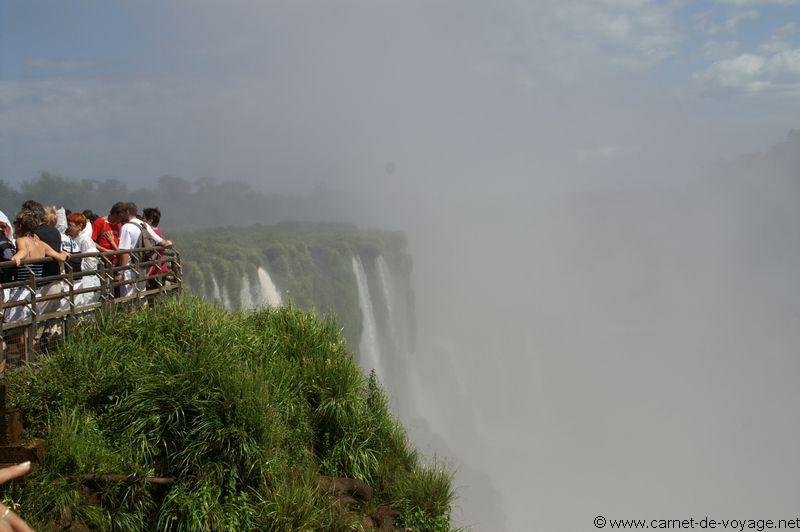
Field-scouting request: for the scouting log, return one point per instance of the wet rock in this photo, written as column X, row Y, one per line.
column 341, row 486
column 385, row 518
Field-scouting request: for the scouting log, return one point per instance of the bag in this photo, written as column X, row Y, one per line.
column 146, row 240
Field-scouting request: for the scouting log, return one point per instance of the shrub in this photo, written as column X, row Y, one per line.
column 242, row 411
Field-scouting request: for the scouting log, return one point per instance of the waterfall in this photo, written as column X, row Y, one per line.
column 268, row 293
column 215, row 294
column 226, row 299
column 246, row 295
column 220, row 294
column 368, row 348
column 388, row 296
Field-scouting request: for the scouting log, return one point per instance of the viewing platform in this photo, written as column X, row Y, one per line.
column 26, row 331
column 81, row 294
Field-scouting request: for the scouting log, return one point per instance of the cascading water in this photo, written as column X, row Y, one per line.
column 368, row 347
column 226, row 299
column 385, row 278
column 246, row 295
column 268, row 292
column 215, row 294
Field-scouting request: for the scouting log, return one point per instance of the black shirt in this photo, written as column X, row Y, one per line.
column 50, row 236
column 7, row 251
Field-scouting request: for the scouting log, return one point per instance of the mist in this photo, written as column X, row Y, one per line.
column 600, row 199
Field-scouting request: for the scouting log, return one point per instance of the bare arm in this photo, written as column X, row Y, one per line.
column 161, row 241
column 50, row 252
column 23, row 250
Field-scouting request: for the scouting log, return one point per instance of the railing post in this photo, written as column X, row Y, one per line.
column 71, row 282
column 30, row 355
column 106, row 282
column 2, row 334
column 133, row 265
column 178, row 272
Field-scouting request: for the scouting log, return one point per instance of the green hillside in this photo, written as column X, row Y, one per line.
column 310, row 263
column 241, row 418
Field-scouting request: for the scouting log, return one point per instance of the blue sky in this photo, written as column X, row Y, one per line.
column 127, row 39
column 117, row 82
column 82, row 39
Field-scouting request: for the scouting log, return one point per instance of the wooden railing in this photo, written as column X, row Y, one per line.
column 81, row 294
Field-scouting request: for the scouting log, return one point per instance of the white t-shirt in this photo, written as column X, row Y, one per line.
column 130, row 233
column 69, row 245
column 86, row 245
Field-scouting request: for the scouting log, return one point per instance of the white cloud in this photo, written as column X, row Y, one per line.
column 732, row 22
column 716, row 50
column 755, row 73
column 711, row 23
column 784, row 38
column 630, row 31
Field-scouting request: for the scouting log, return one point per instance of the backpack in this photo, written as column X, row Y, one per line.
column 146, row 240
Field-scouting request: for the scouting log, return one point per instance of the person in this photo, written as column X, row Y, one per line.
column 29, row 247
column 10, row 521
column 47, row 233
column 130, row 237
column 4, row 219
column 105, row 233
column 90, row 215
column 76, row 225
column 61, row 218
column 152, row 217
column 105, row 230
column 7, row 250
column 67, row 243
column 90, row 218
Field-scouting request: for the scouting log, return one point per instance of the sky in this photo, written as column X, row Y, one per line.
column 600, row 198
column 288, row 94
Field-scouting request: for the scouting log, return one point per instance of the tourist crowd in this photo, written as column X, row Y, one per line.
column 38, row 232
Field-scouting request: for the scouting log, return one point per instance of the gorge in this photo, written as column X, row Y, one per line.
column 362, row 276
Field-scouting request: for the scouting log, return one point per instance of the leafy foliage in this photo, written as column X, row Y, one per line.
column 185, row 204
column 243, row 411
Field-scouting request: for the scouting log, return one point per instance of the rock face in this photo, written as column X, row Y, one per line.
column 345, row 487
column 350, row 492
column 385, row 518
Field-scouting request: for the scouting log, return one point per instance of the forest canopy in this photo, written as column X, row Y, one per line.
column 184, row 204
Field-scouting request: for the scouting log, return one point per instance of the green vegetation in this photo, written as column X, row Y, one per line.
column 311, row 263
column 243, row 411
column 185, row 204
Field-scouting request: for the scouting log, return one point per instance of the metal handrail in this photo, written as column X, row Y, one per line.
column 106, row 274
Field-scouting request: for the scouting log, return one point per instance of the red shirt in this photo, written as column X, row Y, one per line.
column 99, row 229
column 154, row 269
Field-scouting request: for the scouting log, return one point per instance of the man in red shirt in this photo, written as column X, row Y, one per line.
column 105, row 230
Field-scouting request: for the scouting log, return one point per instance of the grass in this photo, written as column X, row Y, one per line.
column 244, row 411
column 310, row 263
